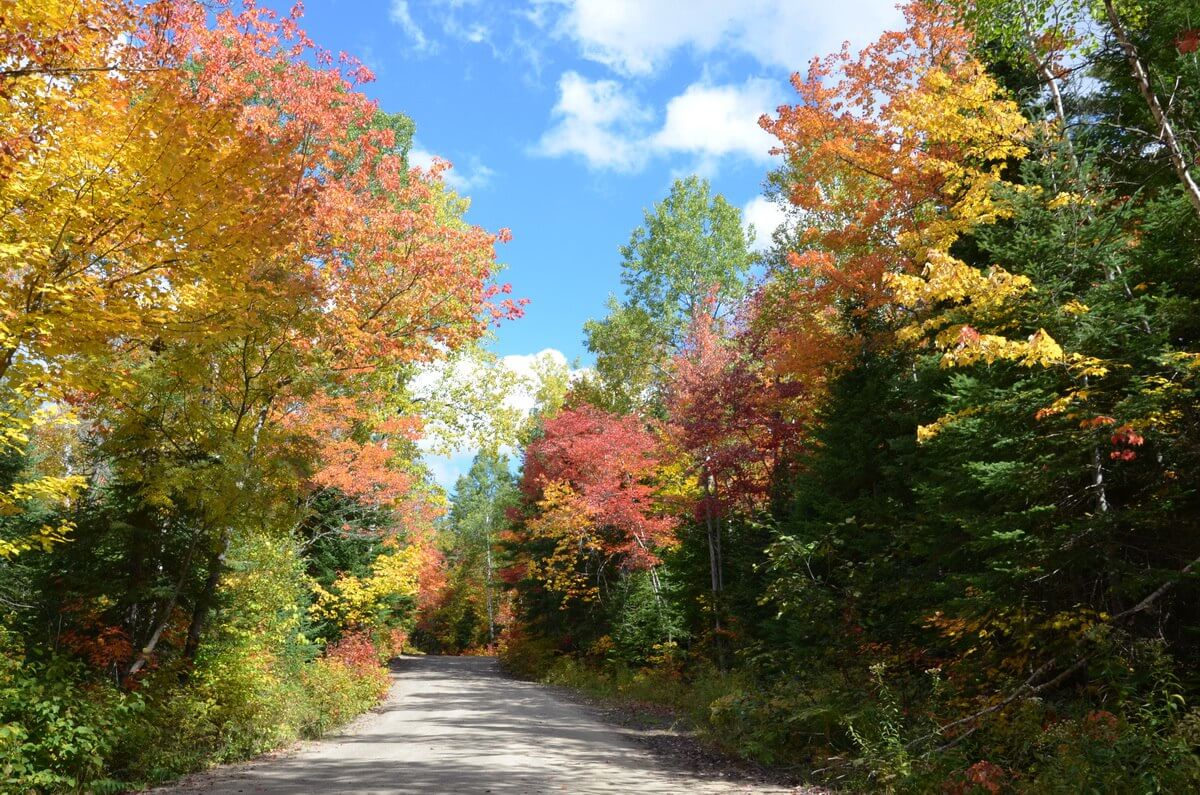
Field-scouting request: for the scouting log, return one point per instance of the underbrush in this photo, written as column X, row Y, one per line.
column 57, row 730
column 880, row 730
column 718, row 704
column 64, row 730
column 727, row 709
column 525, row 656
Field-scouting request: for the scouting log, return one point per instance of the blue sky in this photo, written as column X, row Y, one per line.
column 565, row 119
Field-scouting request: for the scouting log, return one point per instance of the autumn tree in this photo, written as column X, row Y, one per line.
column 594, row 464
column 975, row 424
column 591, row 518
column 948, row 433
column 220, row 266
column 470, row 612
column 733, row 429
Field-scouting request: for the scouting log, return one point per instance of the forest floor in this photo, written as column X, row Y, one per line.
column 458, row 725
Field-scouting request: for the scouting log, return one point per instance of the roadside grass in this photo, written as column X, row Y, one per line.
column 698, row 704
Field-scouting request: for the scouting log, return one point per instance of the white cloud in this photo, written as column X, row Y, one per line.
column 637, row 37
column 520, row 397
column 540, row 13
column 473, row 177
column 402, row 16
column 477, row 33
column 597, row 120
column 449, row 20
column 602, row 122
column 421, row 158
column 527, row 367
column 715, row 121
column 765, row 216
column 473, row 30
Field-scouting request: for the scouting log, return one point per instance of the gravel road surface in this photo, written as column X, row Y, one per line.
column 457, row 725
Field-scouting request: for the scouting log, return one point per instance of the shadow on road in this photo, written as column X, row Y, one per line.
column 456, row 725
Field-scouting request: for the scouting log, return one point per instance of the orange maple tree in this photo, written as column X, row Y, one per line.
column 890, row 155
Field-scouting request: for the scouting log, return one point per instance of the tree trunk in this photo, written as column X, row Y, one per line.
column 1098, row 480
column 1042, row 66
column 487, row 538
column 1166, row 131
column 1098, row 472
column 143, row 656
column 207, row 598
column 713, row 529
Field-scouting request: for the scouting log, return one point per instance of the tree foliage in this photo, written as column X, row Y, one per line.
column 912, row 503
column 691, row 255
column 220, row 275
column 935, row 526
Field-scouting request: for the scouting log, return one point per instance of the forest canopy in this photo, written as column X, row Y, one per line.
column 911, row 501
column 907, row 501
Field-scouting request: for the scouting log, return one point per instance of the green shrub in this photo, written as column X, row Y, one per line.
column 644, row 622
column 336, row 692
column 728, row 708
column 238, row 703
column 768, row 722
column 57, row 728
column 526, row 656
column 258, row 683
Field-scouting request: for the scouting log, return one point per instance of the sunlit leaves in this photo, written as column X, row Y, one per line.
column 589, row 476
column 363, row 603
column 892, row 156
column 218, row 230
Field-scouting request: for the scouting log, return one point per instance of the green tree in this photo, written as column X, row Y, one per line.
column 477, row 513
column 691, row 254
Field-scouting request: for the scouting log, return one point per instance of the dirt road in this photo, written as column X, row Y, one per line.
column 456, row 725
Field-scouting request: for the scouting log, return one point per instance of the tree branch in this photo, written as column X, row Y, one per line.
column 1142, row 78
